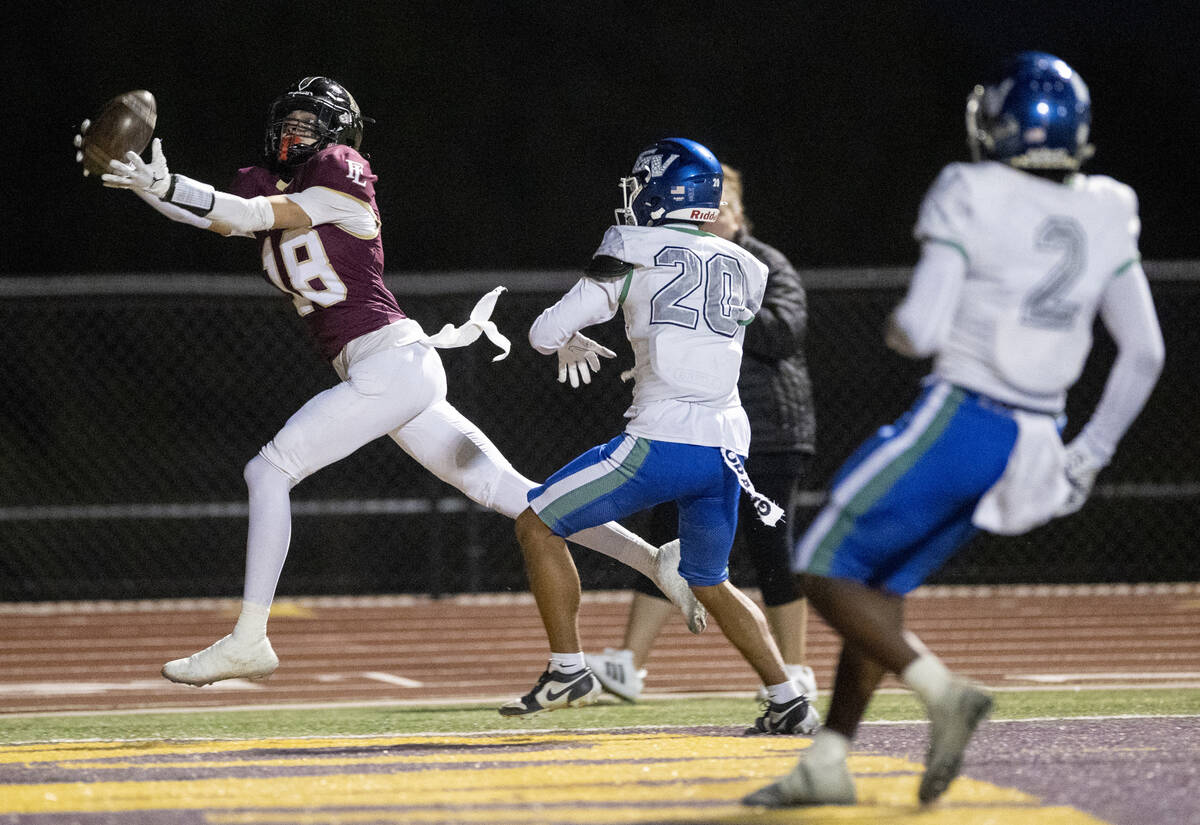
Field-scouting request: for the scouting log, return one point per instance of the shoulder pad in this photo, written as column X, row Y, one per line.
column 607, row 268
column 1107, row 187
column 339, row 167
column 947, row 209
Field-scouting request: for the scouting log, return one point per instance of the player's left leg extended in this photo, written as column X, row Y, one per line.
column 383, row 386
column 454, row 449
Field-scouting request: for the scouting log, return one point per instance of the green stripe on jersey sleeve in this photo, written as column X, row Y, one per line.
column 955, row 245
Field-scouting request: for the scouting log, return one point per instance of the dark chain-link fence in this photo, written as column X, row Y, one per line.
column 131, row 404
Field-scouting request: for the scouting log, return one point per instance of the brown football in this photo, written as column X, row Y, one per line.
column 125, row 124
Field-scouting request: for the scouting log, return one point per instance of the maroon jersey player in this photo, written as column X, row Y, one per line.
column 311, row 208
column 338, row 272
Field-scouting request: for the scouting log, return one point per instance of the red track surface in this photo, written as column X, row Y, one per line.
column 105, row 656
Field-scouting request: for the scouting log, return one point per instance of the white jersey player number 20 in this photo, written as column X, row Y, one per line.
column 724, row 297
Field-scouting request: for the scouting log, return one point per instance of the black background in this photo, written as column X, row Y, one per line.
column 503, row 127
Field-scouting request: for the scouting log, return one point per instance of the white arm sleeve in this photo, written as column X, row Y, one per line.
column 224, row 213
column 241, row 216
column 588, row 302
column 245, row 216
column 1127, row 310
column 919, row 325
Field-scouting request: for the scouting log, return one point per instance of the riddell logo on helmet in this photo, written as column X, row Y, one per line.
column 705, row 215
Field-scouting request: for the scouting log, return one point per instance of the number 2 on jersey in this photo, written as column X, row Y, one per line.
column 1047, row 307
column 310, row 276
column 724, row 283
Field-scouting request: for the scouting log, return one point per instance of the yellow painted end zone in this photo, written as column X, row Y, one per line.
column 528, row 778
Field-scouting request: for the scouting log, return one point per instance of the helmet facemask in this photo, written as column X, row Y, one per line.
column 631, row 187
column 298, row 139
column 291, row 149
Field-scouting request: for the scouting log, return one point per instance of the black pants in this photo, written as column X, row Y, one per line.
column 777, row 476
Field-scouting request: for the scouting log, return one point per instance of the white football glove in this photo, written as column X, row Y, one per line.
column 83, row 127
column 579, row 358
column 137, row 174
column 1081, row 469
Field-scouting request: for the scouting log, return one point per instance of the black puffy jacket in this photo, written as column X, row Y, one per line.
column 774, row 383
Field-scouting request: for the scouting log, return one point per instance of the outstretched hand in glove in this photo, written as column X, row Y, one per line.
column 579, row 358
column 136, row 174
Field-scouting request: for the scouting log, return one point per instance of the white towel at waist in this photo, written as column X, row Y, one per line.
column 479, row 322
column 1033, row 485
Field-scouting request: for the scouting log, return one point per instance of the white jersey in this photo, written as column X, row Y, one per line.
column 1039, row 257
column 686, row 303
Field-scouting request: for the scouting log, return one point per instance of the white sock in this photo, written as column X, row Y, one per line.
column 567, row 662
column 783, row 692
column 252, row 623
column 828, row 747
column 927, row 677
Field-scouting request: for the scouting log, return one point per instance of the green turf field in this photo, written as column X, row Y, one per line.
column 467, row 718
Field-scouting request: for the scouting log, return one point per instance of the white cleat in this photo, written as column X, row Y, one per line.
column 804, row 678
column 952, row 721
column 807, row 784
column 615, row 671
column 226, row 658
column 673, row 586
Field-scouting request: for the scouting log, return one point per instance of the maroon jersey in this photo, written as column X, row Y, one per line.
column 334, row 276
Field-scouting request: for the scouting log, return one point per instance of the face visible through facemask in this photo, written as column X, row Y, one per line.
column 298, row 130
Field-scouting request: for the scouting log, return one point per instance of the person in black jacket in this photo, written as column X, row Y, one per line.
column 777, row 395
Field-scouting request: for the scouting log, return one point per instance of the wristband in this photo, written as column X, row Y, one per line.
column 189, row 194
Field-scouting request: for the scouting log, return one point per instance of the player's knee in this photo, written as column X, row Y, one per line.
column 530, row 530
column 510, row 496
column 259, row 473
column 715, row 597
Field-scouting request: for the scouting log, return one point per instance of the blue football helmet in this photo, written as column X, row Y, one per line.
column 675, row 179
column 1037, row 116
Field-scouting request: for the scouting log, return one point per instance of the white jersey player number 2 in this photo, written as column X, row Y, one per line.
column 310, row 276
column 724, row 296
column 1046, row 306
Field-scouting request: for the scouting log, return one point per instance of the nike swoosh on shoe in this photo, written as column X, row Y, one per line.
column 551, row 696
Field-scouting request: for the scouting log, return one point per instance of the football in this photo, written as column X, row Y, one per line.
column 125, row 124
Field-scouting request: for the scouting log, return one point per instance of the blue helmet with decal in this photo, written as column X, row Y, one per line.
column 675, row 179
column 1036, row 116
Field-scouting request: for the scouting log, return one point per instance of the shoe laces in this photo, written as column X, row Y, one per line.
column 542, row 680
